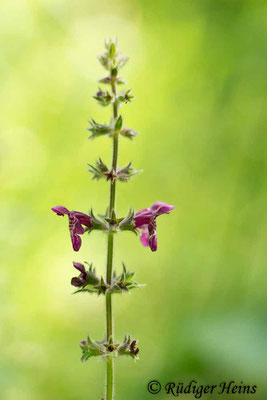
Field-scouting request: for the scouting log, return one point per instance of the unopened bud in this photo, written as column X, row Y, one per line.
column 114, row 72
column 111, row 347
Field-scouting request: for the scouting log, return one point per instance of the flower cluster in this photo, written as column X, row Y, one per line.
column 87, row 281
column 91, row 348
column 144, row 220
column 100, row 170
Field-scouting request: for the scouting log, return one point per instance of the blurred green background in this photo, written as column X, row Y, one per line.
column 198, row 72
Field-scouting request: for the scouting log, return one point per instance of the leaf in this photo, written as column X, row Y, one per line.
column 112, row 50
column 85, row 356
column 85, row 290
column 118, row 124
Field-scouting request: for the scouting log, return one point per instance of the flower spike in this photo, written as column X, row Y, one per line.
column 87, row 281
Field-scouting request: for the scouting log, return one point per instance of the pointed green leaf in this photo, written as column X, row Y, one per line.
column 118, row 124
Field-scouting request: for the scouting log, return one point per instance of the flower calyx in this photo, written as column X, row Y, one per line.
column 100, row 170
column 97, row 129
column 124, row 96
column 127, row 223
column 91, row 348
column 104, row 98
column 124, row 282
column 103, row 348
column 89, row 282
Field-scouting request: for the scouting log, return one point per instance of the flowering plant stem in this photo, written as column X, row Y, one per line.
column 143, row 222
column 109, row 320
column 110, row 374
column 112, row 202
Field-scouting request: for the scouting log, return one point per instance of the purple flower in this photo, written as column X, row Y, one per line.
column 146, row 221
column 81, row 280
column 76, row 220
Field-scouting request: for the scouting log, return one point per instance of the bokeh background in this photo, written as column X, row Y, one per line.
column 198, row 73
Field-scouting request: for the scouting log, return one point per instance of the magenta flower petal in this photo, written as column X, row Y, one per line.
column 75, row 229
column 142, row 218
column 76, row 242
column 146, row 221
column 74, row 224
column 82, row 218
column 60, row 210
column 145, row 237
column 153, row 243
column 152, row 230
column 76, row 220
column 144, row 211
column 160, row 208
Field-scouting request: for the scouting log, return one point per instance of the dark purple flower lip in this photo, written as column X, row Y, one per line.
column 76, row 220
column 81, row 280
column 146, row 221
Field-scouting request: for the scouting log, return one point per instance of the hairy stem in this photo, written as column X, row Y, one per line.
column 111, row 212
column 110, row 379
column 114, row 155
column 108, row 295
column 112, row 202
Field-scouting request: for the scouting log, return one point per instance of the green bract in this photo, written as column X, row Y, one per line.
column 119, row 284
column 98, row 129
column 105, row 348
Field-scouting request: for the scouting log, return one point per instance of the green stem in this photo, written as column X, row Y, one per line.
column 108, row 295
column 112, row 202
column 114, row 167
column 111, row 212
column 114, row 155
column 110, row 379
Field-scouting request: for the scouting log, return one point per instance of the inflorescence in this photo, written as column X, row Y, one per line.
column 142, row 222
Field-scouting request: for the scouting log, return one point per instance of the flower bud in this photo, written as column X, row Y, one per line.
column 124, row 96
column 128, row 133
column 112, row 50
column 118, row 124
column 103, row 98
column 114, row 72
